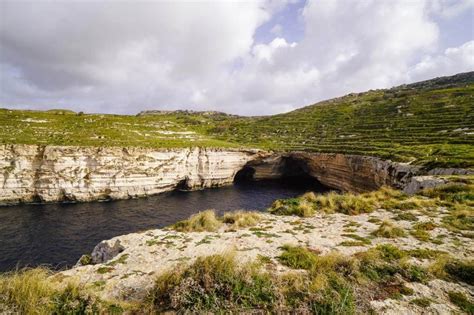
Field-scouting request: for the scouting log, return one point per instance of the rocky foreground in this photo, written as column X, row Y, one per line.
column 381, row 252
column 126, row 267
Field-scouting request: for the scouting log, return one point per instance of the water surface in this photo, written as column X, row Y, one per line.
column 58, row 234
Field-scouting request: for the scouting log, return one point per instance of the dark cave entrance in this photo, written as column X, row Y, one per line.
column 182, row 185
column 290, row 172
column 246, row 174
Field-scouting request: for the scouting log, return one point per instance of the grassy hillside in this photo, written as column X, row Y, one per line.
column 60, row 127
column 430, row 123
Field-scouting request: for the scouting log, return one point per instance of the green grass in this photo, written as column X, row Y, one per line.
column 423, row 123
column 297, row 257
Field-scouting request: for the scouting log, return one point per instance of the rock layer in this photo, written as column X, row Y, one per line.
column 349, row 173
column 30, row 173
column 33, row 173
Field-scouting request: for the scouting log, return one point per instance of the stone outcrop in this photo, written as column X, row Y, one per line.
column 351, row 173
column 31, row 173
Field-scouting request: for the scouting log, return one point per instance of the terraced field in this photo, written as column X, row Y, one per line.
column 429, row 123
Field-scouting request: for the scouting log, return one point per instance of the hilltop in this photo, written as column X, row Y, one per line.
column 429, row 123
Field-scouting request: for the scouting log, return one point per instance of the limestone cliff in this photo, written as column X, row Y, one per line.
column 349, row 173
column 31, row 173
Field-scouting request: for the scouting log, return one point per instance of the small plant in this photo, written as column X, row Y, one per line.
column 85, row 260
column 103, row 270
column 121, row 260
column 389, row 230
column 406, row 216
column 421, row 302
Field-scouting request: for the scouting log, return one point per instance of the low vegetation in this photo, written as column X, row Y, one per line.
column 35, row 291
column 208, row 221
column 457, row 197
column 388, row 230
column 330, row 284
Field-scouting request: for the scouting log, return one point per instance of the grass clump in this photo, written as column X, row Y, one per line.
column 297, row 257
column 241, row 219
column 447, row 268
column 421, row 302
column 34, row 291
column 205, row 221
column 461, row 217
column 388, row 230
column 292, row 206
column 461, row 300
column 406, row 216
column 357, row 240
column 420, row 230
column 213, row 283
column 308, row 204
column 451, row 193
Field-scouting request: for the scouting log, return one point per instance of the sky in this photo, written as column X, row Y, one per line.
column 243, row 57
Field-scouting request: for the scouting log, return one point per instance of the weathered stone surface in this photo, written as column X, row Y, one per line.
column 148, row 254
column 421, row 182
column 351, row 173
column 105, row 251
column 31, row 173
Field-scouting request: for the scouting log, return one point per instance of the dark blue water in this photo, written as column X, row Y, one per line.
column 58, row 234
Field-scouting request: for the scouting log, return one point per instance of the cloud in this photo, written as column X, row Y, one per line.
column 120, row 57
column 453, row 60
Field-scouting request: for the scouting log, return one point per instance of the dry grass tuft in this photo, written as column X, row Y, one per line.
column 205, row 221
column 388, row 230
column 241, row 219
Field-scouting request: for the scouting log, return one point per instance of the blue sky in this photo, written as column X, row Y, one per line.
column 243, row 57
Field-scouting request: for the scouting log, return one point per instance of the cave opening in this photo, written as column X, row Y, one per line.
column 182, row 185
column 246, row 174
column 288, row 172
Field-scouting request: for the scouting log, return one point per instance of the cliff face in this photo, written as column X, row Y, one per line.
column 57, row 173
column 350, row 173
column 30, row 173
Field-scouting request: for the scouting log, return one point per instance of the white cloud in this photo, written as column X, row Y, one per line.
column 122, row 57
column 454, row 60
